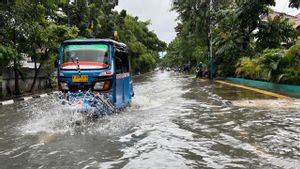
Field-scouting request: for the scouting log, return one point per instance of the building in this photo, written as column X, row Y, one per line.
column 27, row 62
column 293, row 19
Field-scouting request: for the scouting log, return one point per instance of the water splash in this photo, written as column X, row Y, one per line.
column 65, row 113
column 92, row 104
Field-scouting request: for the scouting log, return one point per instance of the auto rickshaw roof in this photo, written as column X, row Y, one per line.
column 119, row 45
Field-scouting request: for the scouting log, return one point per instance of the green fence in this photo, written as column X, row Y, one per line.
column 290, row 90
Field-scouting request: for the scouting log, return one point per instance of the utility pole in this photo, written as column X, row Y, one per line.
column 210, row 41
column 190, row 41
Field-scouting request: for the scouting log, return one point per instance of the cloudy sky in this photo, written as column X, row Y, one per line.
column 163, row 20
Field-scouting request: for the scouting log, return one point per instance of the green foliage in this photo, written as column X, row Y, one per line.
column 294, row 3
column 291, row 69
column 290, row 76
column 179, row 53
column 292, row 58
column 192, row 31
column 274, row 32
column 97, row 20
column 56, row 35
column 227, row 42
column 234, row 36
column 37, row 28
column 272, row 62
column 275, row 65
column 7, row 55
column 143, row 44
column 249, row 68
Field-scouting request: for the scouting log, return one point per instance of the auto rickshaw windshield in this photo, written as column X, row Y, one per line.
column 86, row 53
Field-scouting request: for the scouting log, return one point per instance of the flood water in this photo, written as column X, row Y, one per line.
column 175, row 121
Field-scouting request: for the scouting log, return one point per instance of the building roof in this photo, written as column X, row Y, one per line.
column 294, row 19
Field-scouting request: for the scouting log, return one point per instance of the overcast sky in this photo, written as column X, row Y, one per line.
column 163, row 20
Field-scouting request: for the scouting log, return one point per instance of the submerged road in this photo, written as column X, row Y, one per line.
column 175, row 121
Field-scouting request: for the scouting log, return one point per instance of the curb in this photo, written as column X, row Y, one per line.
column 283, row 89
column 23, row 99
column 12, row 101
column 8, row 102
column 255, row 90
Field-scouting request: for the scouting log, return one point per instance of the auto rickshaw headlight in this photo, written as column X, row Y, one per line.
column 98, row 85
column 64, row 86
column 102, row 85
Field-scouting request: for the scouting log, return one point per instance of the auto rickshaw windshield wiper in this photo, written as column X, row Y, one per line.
column 77, row 63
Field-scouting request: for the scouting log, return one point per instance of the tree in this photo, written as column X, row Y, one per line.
column 12, row 34
column 7, row 55
column 233, row 31
column 29, row 30
column 173, row 58
column 294, row 4
column 193, row 29
column 41, row 33
column 93, row 18
column 143, row 44
column 36, row 29
column 274, row 32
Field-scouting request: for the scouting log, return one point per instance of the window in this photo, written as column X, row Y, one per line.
column 122, row 62
column 94, row 56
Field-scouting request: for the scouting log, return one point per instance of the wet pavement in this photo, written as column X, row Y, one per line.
column 175, row 121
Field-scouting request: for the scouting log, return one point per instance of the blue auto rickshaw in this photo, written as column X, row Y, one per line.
column 98, row 65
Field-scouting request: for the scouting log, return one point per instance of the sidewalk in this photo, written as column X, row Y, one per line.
column 27, row 96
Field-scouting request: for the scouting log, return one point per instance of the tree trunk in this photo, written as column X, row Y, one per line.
column 36, row 73
column 17, row 87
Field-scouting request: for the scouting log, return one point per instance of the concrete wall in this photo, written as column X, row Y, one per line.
column 8, row 82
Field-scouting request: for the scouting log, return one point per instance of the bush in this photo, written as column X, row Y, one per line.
column 275, row 65
column 272, row 63
column 248, row 68
column 292, row 57
column 268, row 66
column 291, row 65
column 290, row 76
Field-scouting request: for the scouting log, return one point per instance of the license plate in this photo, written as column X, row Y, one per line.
column 80, row 79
